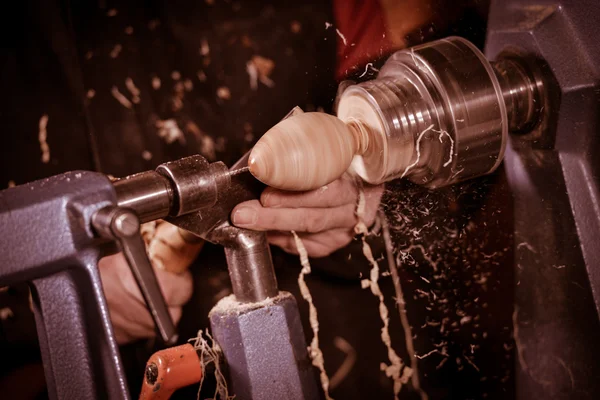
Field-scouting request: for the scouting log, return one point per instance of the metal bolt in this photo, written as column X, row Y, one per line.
column 127, row 224
column 151, row 373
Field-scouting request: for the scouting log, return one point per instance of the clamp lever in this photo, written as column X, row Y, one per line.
column 123, row 225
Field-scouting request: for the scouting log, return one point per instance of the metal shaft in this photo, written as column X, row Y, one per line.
column 250, row 265
column 175, row 188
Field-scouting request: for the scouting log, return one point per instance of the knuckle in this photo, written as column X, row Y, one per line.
column 318, row 222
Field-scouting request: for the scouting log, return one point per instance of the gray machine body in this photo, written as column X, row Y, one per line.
column 47, row 240
column 555, row 181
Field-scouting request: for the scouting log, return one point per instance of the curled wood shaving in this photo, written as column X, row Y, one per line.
column 315, row 352
column 396, row 369
column 209, row 352
column 42, row 137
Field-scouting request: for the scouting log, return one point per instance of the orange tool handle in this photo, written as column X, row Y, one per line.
column 170, row 369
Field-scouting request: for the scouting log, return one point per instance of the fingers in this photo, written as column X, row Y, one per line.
column 129, row 314
column 317, row 245
column 252, row 215
column 169, row 251
column 176, row 288
column 339, row 192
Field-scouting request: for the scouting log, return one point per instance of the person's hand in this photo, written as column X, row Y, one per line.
column 324, row 218
column 128, row 312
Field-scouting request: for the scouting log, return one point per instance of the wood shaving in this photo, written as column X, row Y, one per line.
column 114, row 53
column 224, row 93
column 341, row 35
column 155, row 82
column 209, row 352
column 6, row 313
column 442, row 133
column 408, row 336
column 328, row 25
column 169, row 131
column 265, row 67
column 418, row 150
column 120, row 97
column 253, row 74
column 135, row 92
column 315, row 352
column 369, row 65
column 347, row 365
column 204, row 47
column 296, row 27
column 207, row 144
column 42, row 137
column 188, row 85
column 396, row 370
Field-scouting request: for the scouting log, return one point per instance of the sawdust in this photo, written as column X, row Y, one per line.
column 209, row 352
column 90, row 94
column 112, row 12
column 129, row 30
column 42, row 137
column 315, row 352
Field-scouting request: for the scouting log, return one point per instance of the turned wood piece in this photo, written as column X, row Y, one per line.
column 307, row 151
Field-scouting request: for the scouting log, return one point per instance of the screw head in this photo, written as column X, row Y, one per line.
column 127, row 224
column 151, row 373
